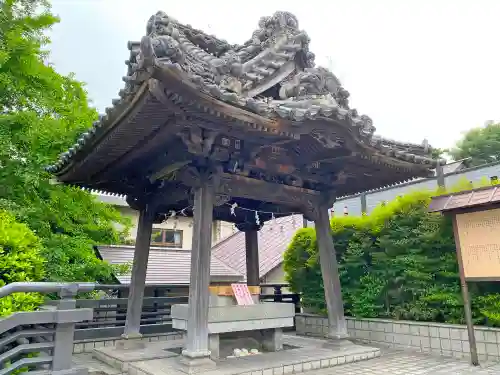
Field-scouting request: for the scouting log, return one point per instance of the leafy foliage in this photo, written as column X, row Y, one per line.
column 41, row 114
column 20, row 260
column 437, row 153
column 398, row 262
column 481, row 144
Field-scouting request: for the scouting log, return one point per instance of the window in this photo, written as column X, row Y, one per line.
column 166, row 237
column 226, row 142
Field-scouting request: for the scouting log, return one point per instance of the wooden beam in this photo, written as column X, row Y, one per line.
column 170, row 194
column 253, row 153
column 165, row 171
column 335, row 159
column 244, row 187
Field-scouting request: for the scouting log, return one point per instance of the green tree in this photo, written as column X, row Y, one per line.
column 437, row 153
column 41, row 114
column 481, row 144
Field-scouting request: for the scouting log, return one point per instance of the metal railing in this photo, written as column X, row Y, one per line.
column 110, row 313
column 109, row 317
column 42, row 341
column 279, row 296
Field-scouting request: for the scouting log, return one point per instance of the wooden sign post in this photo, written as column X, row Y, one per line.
column 476, row 227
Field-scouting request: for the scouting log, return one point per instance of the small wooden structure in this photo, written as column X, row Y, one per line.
column 476, row 227
column 241, row 133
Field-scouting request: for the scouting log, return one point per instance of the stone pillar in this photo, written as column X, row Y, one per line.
column 139, row 268
column 197, row 344
column 330, row 271
column 214, row 346
column 272, row 339
column 252, row 256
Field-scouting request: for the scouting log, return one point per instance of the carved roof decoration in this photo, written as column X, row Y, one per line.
column 232, row 73
column 267, row 93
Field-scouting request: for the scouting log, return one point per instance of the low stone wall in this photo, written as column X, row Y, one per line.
column 443, row 339
column 87, row 346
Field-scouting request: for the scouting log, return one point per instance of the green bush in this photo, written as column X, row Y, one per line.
column 399, row 262
column 20, row 260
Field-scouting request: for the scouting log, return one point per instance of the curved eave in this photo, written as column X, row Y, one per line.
column 98, row 132
column 255, row 114
column 278, row 119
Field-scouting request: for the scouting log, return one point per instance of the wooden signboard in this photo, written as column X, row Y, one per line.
column 476, row 228
column 479, row 244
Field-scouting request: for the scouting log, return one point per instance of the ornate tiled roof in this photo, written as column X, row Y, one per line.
column 244, row 76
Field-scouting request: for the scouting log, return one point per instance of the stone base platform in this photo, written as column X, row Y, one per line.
column 160, row 358
column 122, row 358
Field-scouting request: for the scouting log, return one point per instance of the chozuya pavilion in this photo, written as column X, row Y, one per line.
column 241, row 133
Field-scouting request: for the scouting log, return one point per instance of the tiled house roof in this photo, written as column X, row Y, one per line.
column 167, row 266
column 456, row 165
column 274, row 238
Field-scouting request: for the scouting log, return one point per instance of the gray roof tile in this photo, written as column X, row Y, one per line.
column 167, row 266
column 274, row 239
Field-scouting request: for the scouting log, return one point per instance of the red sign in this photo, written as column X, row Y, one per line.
column 242, row 294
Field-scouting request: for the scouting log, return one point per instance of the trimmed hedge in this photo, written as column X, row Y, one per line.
column 399, row 262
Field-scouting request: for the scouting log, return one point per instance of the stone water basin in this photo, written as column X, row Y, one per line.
column 264, row 320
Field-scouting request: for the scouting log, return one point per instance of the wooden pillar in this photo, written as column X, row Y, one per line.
column 252, row 256
column 139, row 269
column 197, row 331
column 466, row 297
column 330, row 272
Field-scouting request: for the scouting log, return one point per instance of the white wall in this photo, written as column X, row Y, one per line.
column 275, row 276
column 220, row 229
column 373, row 198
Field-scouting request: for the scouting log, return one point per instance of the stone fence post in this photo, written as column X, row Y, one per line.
column 63, row 338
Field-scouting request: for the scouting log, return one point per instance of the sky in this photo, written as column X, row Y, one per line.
column 421, row 69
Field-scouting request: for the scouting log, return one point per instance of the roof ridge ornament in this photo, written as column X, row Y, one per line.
column 315, row 81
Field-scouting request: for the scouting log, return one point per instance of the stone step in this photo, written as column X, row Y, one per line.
column 95, row 366
column 314, row 354
column 120, row 359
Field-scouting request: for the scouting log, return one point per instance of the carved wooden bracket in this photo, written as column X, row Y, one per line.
column 221, row 199
column 197, row 176
column 246, row 227
column 326, row 139
column 148, row 202
column 135, row 203
column 198, row 141
column 323, row 202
